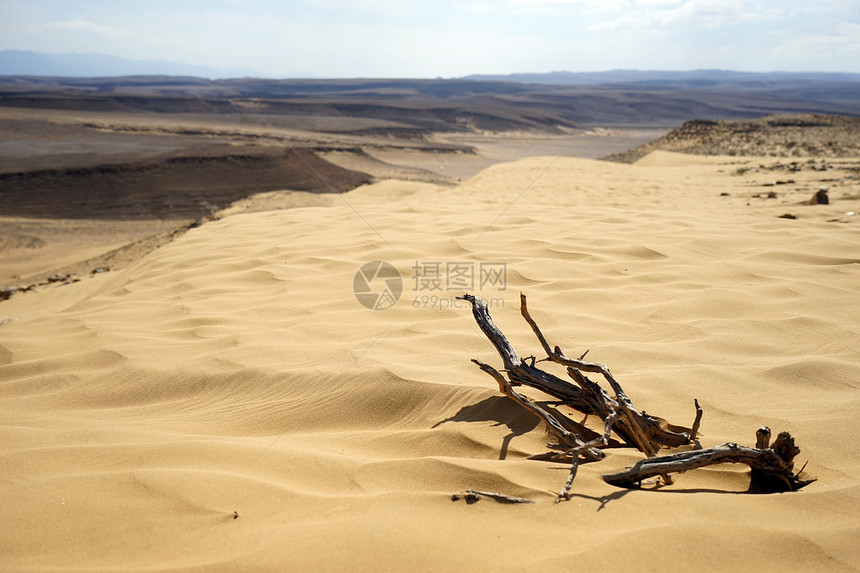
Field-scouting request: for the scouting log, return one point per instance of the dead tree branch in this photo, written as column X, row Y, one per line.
column 776, row 462
column 634, row 428
column 562, row 434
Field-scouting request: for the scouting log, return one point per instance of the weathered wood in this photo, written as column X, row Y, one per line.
column 633, row 427
column 518, row 372
column 637, row 429
column 496, row 337
column 564, row 494
column 618, row 414
column 695, row 429
column 775, row 462
column 562, row 434
column 762, row 437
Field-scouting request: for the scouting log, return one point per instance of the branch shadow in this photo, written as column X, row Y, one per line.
column 757, row 486
column 501, row 410
column 603, row 499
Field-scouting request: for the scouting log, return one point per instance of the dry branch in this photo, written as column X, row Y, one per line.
column 775, row 462
column 473, row 495
column 636, row 429
column 555, row 427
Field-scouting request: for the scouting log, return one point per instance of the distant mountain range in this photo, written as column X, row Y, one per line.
column 92, row 65
column 26, row 63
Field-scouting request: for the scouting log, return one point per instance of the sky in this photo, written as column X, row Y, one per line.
column 447, row 38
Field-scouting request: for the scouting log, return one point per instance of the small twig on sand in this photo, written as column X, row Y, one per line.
column 473, row 495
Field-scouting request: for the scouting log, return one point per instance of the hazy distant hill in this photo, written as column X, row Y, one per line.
column 92, row 65
column 654, row 78
column 26, row 63
column 654, row 99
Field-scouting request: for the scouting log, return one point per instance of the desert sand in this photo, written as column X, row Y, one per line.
column 226, row 403
column 83, row 189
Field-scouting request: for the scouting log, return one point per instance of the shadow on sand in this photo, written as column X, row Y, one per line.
column 501, row 410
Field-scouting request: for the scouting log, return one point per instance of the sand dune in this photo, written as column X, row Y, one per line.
column 233, row 373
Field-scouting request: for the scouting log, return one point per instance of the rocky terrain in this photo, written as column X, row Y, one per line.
column 783, row 135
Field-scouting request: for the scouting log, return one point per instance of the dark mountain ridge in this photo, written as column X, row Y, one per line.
column 448, row 105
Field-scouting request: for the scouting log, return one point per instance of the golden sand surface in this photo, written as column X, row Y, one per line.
column 227, row 404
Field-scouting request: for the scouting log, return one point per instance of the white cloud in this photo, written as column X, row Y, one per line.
column 691, row 14
column 588, row 5
column 840, row 41
column 447, row 37
column 600, row 5
column 78, row 25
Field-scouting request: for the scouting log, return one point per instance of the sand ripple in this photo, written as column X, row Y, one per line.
column 233, row 372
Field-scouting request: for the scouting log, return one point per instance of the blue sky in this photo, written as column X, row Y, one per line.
column 442, row 38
